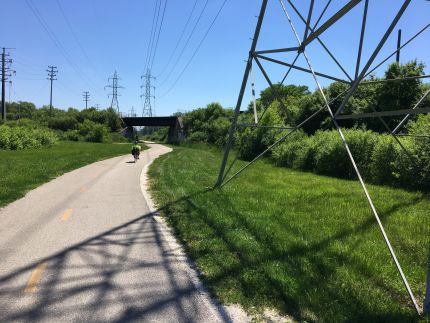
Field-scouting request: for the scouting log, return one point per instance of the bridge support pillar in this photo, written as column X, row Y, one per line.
column 176, row 132
column 129, row 132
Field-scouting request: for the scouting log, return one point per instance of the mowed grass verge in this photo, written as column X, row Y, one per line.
column 24, row 170
column 304, row 244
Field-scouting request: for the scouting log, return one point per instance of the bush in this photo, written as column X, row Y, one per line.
column 93, row 132
column 63, row 123
column 332, row 159
column 198, row 136
column 16, row 138
column 98, row 134
column 218, row 130
column 290, row 153
column 254, row 141
column 421, row 149
column 117, row 137
column 72, row 135
column 385, row 161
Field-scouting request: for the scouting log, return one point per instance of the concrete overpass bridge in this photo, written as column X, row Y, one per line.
column 176, row 133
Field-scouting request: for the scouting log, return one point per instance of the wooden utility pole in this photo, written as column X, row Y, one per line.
column 52, row 73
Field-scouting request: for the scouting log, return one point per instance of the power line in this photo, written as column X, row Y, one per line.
column 180, row 38
column 56, row 41
column 152, row 33
column 84, row 52
column 159, row 32
column 197, row 49
column 186, row 44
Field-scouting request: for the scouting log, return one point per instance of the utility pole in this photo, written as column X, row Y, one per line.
column 97, row 106
column 52, row 73
column 114, row 94
column 5, row 73
column 148, row 110
column 86, row 97
column 3, row 87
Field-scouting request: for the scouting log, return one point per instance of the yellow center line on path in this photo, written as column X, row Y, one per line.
column 35, row 278
column 67, row 214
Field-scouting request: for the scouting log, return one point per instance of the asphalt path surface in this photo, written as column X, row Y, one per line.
column 86, row 247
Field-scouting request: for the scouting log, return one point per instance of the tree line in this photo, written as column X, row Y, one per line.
column 26, row 122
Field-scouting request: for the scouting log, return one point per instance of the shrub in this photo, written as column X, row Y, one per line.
column 254, row 141
column 198, row 136
column 63, row 123
column 332, row 159
column 421, row 150
column 289, row 153
column 16, row 138
column 99, row 133
column 383, row 157
column 117, row 137
column 93, row 132
column 72, row 135
column 217, row 131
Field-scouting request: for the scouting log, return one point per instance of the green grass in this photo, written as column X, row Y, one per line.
column 24, row 170
column 304, row 244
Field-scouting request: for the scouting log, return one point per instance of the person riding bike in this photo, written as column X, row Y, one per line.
column 135, row 150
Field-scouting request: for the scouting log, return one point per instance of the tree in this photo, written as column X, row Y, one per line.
column 400, row 95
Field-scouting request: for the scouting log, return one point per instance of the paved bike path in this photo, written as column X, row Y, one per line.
column 85, row 247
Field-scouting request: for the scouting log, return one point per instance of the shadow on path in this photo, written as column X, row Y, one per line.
column 127, row 273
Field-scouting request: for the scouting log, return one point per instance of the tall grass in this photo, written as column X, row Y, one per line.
column 304, row 244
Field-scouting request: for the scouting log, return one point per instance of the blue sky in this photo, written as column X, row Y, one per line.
column 108, row 35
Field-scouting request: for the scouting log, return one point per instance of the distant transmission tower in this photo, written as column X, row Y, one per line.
column 148, row 107
column 113, row 84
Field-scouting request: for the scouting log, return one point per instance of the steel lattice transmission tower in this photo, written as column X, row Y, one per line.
column 113, row 84
column 353, row 76
column 148, row 108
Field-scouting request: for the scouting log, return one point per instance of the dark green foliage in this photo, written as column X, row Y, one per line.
column 421, row 149
column 88, row 125
column 309, row 105
column 160, row 135
column 400, row 95
column 379, row 157
column 19, row 110
column 295, row 152
column 93, row 132
column 253, row 141
column 198, row 136
column 387, row 159
column 212, row 121
column 63, row 123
